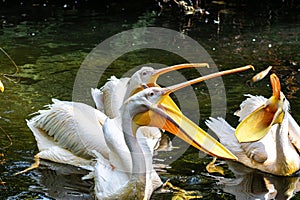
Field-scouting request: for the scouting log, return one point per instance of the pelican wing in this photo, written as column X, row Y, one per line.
column 109, row 98
column 253, row 150
column 225, row 133
column 72, row 126
column 97, row 94
column 153, row 136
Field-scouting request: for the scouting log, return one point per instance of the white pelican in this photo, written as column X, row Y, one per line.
column 128, row 173
column 68, row 131
column 267, row 138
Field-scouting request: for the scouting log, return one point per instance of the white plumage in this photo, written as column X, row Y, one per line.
column 67, row 131
column 276, row 152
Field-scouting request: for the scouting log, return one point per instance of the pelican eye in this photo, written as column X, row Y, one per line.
column 151, row 94
column 282, row 98
column 144, row 73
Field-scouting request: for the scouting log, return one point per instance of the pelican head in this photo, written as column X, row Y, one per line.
column 256, row 125
column 148, row 75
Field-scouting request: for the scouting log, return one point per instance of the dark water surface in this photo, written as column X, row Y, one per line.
column 49, row 43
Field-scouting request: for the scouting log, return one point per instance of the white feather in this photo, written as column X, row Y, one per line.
column 73, row 128
column 249, row 105
column 97, row 96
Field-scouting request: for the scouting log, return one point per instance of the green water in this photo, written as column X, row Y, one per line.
column 49, row 44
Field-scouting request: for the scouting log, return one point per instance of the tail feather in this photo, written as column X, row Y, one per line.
column 224, row 131
column 97, row 95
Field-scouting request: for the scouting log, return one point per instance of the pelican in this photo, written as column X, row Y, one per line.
column 267, row 137
column 128, row 173
column 68, row 131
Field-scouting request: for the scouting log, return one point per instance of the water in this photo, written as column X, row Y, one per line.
column 49, row 44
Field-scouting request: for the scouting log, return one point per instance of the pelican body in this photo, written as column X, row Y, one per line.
column 267, row 138
column 128, row 173
column 67, row 131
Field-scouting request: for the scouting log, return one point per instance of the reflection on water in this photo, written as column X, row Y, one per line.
column 251, row 184
column 49, row 47
column 56, row 181
column 62, row 182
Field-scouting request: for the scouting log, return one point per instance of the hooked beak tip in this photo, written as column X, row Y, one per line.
column 252, row 67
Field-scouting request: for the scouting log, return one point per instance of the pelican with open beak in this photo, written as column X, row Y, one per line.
column 267, row 137
column 128, row 173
